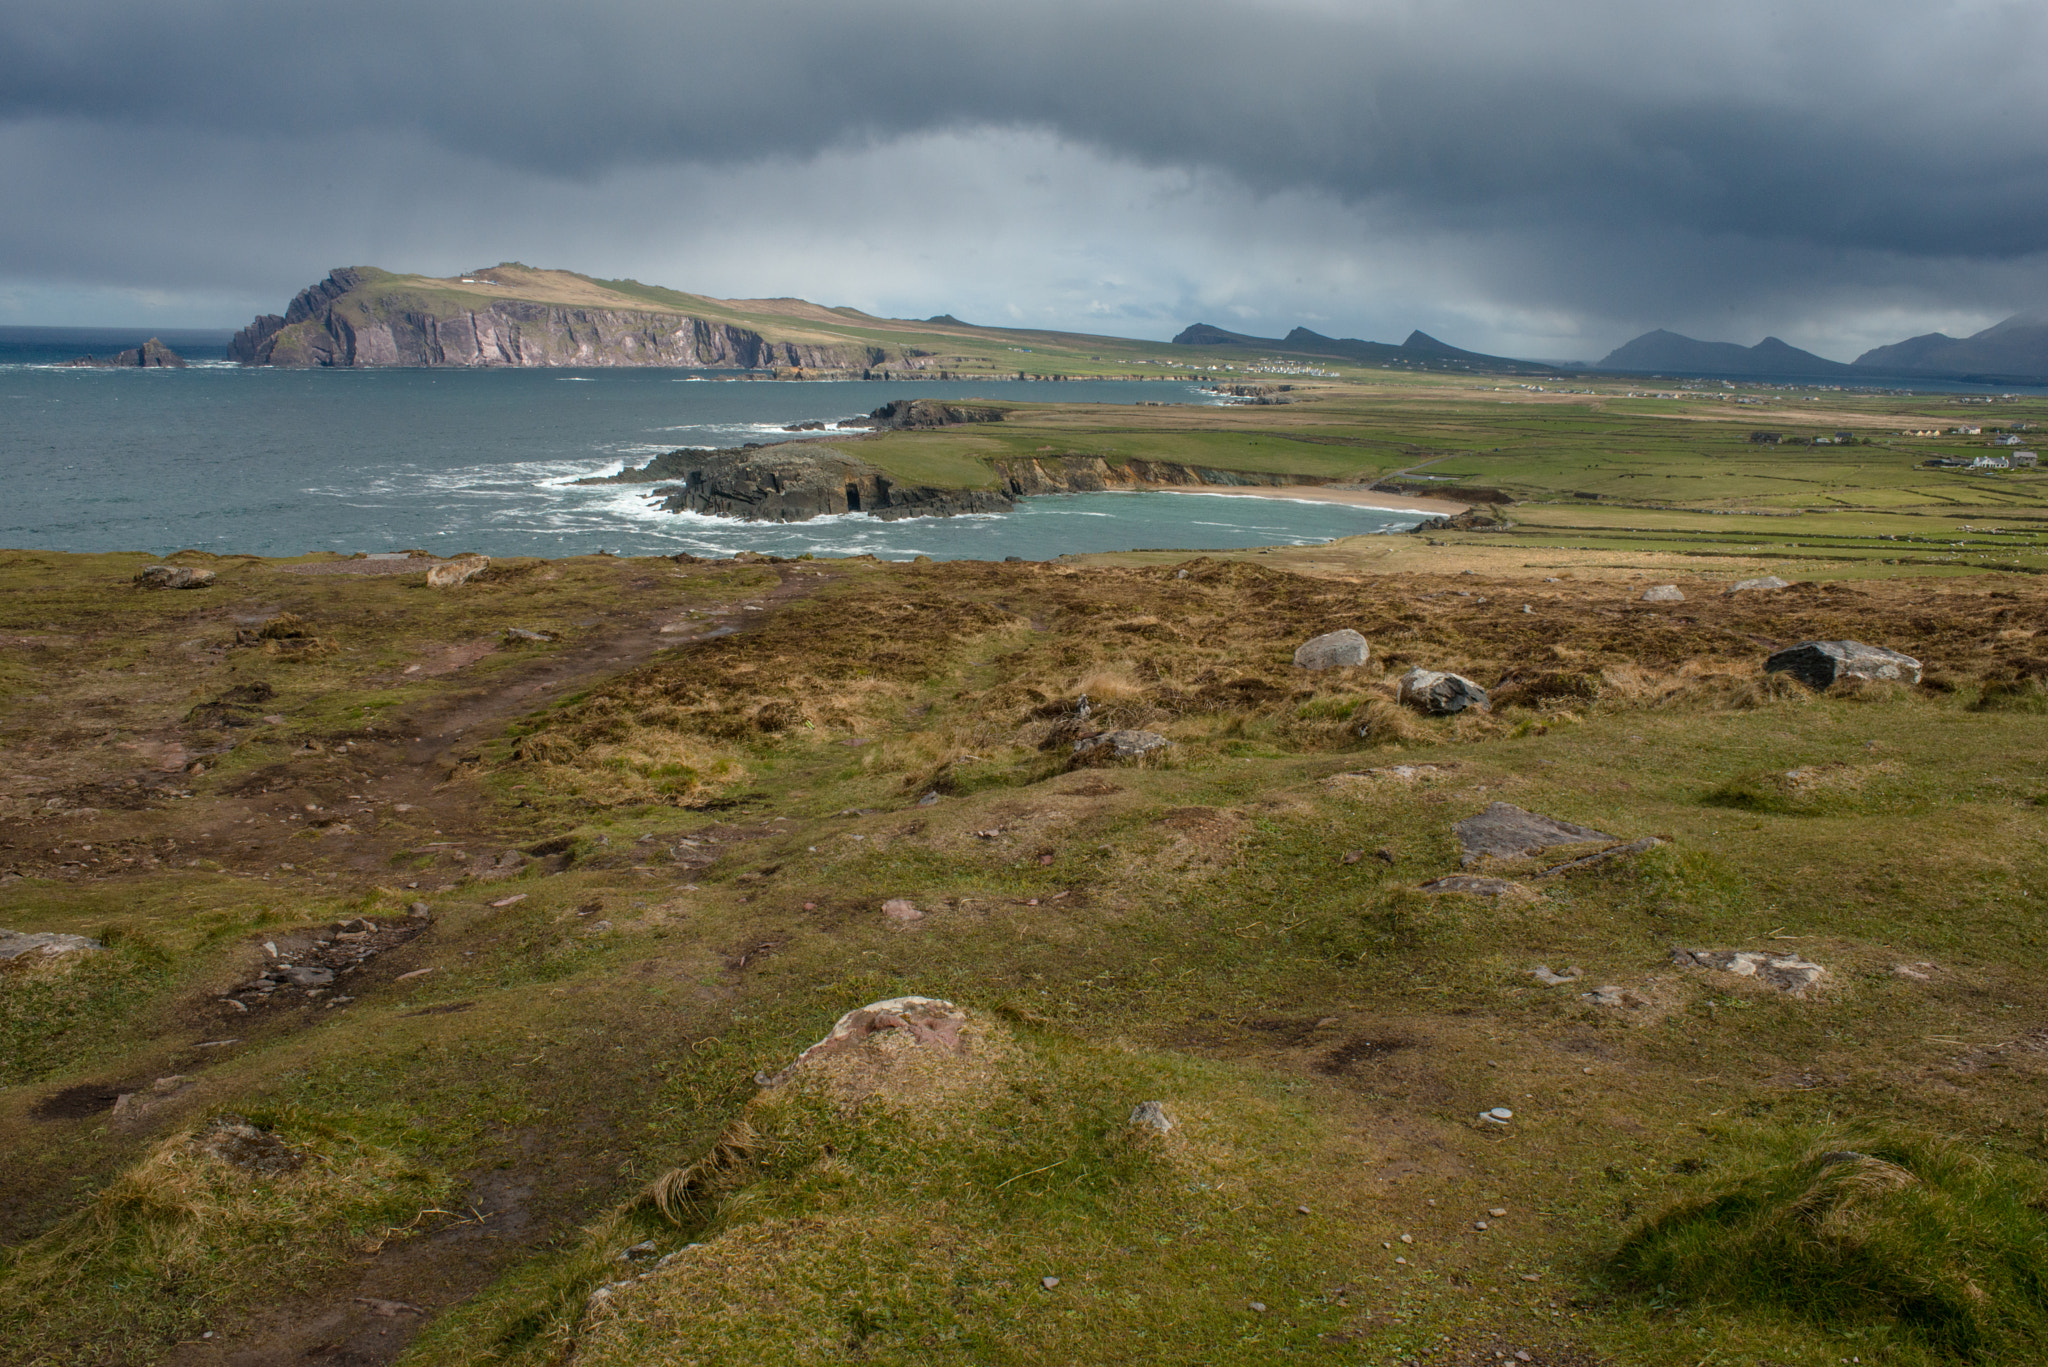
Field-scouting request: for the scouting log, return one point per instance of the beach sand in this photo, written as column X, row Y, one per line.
column 1320, row 493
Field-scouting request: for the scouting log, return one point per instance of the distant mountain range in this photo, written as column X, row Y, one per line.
column 1420, row 352
column 2015, row 350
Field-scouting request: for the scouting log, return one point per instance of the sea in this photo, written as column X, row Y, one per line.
column 222, row 458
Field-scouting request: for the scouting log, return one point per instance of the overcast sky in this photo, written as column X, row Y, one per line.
column 1541, row 179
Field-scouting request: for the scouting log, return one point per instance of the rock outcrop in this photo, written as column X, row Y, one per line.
column 1818, row 664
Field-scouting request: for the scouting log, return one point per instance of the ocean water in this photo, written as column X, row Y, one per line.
column 283, row 462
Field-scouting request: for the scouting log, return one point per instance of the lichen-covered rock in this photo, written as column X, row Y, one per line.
column 1440, row 694
column 1788, row 973
column 1339, row 649
column 1769, row 581
column 1118, row 746
column 1663, row 593
column 173, row 577
column 460, row 570
column 1818, row 664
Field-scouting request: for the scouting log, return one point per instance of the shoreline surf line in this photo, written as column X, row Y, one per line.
column 1316, row 493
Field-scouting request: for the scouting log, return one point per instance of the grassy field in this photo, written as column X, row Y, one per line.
column 615, row 876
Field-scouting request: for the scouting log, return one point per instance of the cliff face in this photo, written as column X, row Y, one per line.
column 338, row 323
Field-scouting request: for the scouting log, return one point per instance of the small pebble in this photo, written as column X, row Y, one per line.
column 1301, row 1210
column 1497, row 1211
column 1048, row 1282
column 1407, row 1238
column 1479, row 1224
column 1402, row 1261
column 1258, row 1307
column 1529, row 1277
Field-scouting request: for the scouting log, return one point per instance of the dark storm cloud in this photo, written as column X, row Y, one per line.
column 1811, row 147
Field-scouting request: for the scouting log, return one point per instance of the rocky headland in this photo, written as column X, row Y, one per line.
column 797, row 481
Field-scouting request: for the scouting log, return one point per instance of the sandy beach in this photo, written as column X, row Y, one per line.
column 1319, row 493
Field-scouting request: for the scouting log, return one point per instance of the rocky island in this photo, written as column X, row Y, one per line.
column 151, row 353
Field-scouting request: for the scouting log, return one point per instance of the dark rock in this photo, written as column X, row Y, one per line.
column 1505, row 831
column 1440, row 694
column 1332, row 650
column 1818, row 664
column 173, row 577
column 302, row 975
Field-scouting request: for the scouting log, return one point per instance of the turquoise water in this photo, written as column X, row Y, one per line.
column 283, row 462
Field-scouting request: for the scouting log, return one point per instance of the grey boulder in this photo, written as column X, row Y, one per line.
column 1820, row 663
column 302, row 975
column 1769, row 581
column 1332, row 650
column 1440, row 694
column 1505, row 831
column 1663, row 593
column 173, row 577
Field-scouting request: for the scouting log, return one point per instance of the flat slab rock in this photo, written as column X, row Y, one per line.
column 1475, row 885
column 1332, row 650
column 43, row 943
column 1769, row 581
column 1663, row 593
column 1505, row 831
column 1820, row 663
column 1788, row 973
